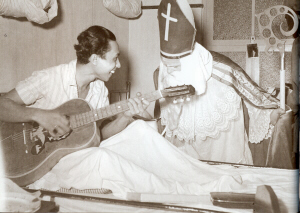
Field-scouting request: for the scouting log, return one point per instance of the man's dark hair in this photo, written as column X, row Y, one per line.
column 94, row 40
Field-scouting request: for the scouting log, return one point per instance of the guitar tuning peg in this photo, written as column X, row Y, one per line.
column 188, row 98
column 181, row 100
column 175, row 101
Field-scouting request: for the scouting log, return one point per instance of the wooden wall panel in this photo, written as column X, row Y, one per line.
column 120, row 27
column 144, row 52
column 8, row 70
column 26, row 46
column 75, row 16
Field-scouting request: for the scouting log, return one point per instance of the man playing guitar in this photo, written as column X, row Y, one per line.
column 32, row 99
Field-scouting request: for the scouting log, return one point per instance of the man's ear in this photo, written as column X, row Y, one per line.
column 93, row 59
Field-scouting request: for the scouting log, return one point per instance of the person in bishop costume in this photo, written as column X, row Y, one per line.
column 211, row 126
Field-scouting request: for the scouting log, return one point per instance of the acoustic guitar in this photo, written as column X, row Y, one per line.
column 29, row 151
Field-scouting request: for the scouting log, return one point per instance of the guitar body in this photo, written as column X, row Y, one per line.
column 29, row 152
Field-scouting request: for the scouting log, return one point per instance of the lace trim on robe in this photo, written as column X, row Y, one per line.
column 259, row 125
column 205, row 115
column 270, row 131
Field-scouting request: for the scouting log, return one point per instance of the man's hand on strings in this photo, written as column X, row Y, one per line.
column 137, row 106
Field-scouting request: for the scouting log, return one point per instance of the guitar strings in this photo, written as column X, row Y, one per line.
column 6, row 138
column 19, row 135
column 26, row 132
column 16, row 136
column 90, row 116
column 105, row 112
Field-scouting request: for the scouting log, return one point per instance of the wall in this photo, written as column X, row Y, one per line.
column 227, row 27
column 26, row 46
column 143, row 53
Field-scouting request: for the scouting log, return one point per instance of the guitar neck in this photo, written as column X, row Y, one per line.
column 108, row 111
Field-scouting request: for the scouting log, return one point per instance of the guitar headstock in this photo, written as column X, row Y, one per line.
column 178, row 91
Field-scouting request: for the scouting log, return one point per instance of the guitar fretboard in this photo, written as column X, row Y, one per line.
column 108, row 111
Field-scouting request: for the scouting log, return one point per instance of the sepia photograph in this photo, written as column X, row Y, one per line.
column 149, row 106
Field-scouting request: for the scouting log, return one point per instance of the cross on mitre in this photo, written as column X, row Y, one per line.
column 176, row 28
column 168, row 19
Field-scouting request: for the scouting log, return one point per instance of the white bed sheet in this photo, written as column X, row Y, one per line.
column 286, row 192
column 139, row 160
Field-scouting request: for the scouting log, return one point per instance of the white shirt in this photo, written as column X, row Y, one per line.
column 49, row 88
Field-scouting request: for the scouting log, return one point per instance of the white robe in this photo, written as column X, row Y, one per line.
column 220, row 135
column 211, row 125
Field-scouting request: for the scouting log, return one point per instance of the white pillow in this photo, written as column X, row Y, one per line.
column 33, row 10
column 124, row 8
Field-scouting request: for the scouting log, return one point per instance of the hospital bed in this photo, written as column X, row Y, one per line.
column 104, row 201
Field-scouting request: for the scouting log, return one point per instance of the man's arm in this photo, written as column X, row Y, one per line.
column 13, row 109
column 115, row 126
